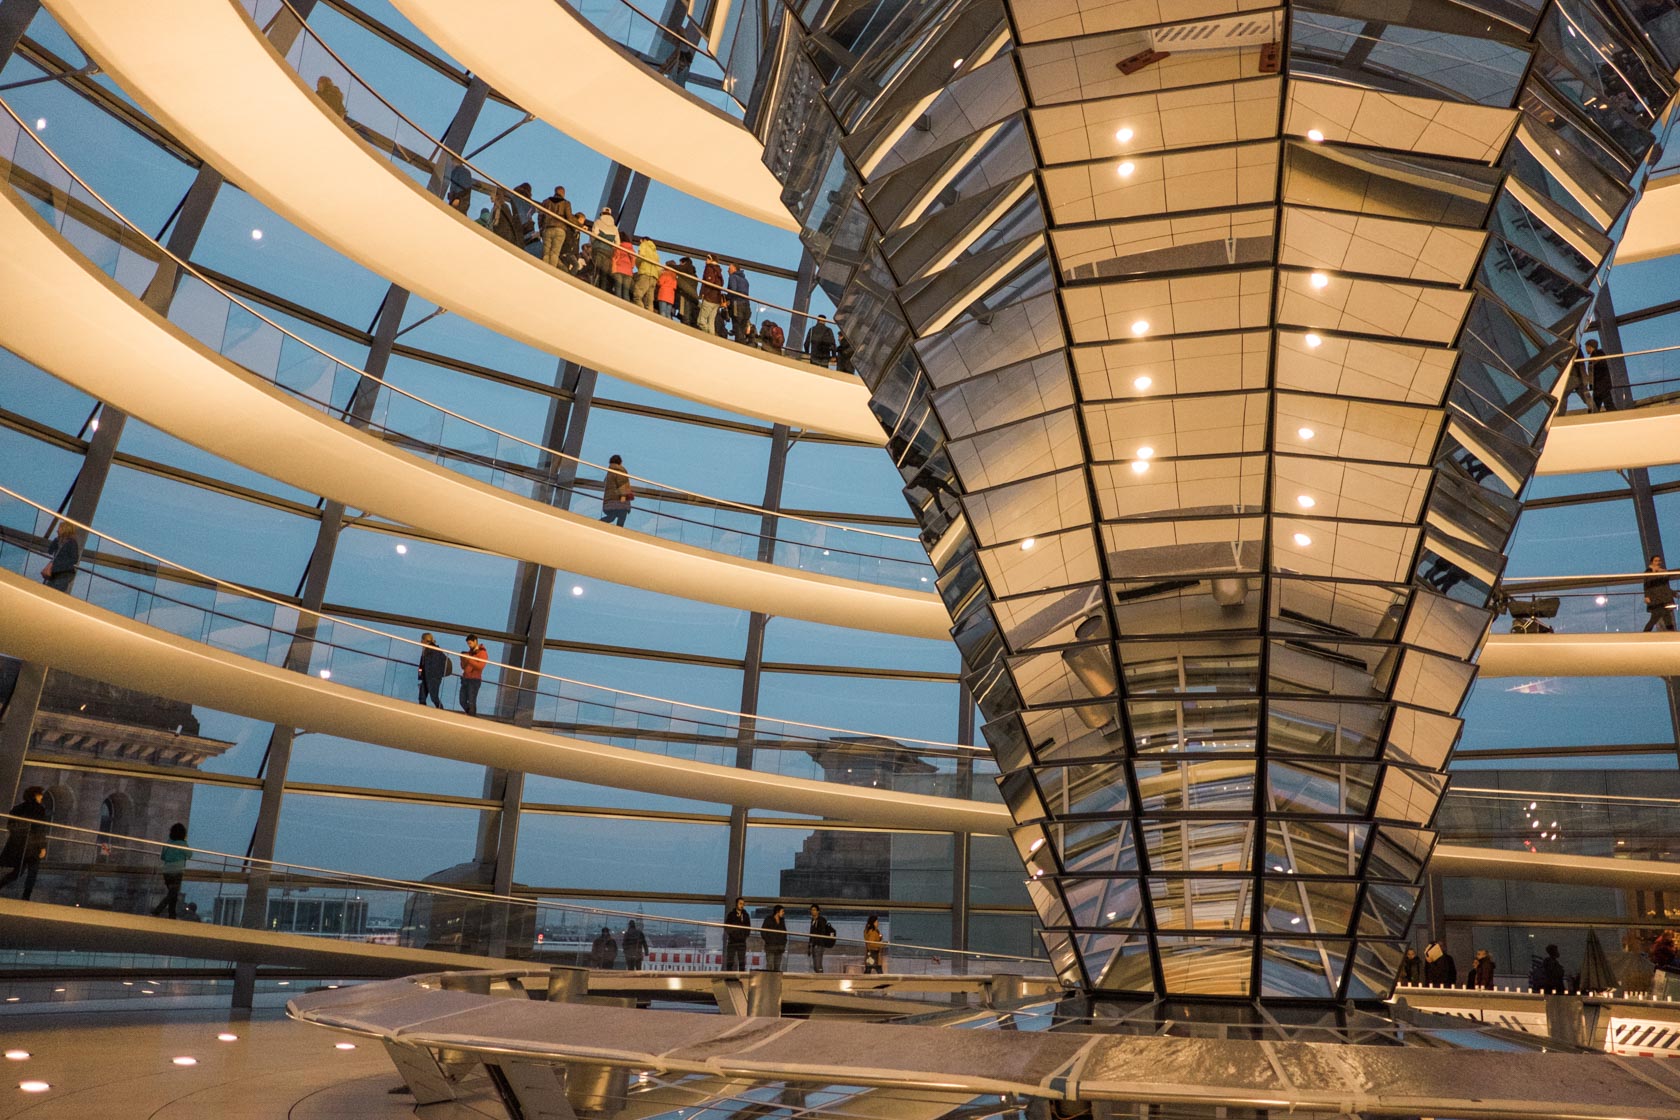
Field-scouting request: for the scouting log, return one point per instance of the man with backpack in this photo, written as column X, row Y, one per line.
column 822, row 937
column 434, row 666
column 819, row 341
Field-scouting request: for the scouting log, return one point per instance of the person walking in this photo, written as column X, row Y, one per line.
column 174, row 856
column 1659, row 598
column 604, row 952
column 555, row 222
column 60, row 571
column 635, row 946
column 1439, row 968
column 874, row 947
column 434, row 666
column 327, row 90
column 1551, row 971
column 1411, row 968
column 821, row 939
column 473, row 660
column 603, row 243
column 737, row 925
column 616, row 493
column 688, row 292
column 773, row 931
column 1481, row 971
column 740, row 307
column 819, row 341
column 26, row 841
column 711, row 295
column 1598, row 376
column 646, row 284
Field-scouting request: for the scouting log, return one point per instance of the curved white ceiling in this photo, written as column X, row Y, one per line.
column 40, row 624
column 69, row 318
column 202, row 69
column 648, row 122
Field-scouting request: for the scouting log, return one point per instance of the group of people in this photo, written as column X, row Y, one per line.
column 707, row 296
column 26, row 846
column 603, row 952
column 1590, row 380
column 1437, row 969
column 435, row 665
column 738, row 928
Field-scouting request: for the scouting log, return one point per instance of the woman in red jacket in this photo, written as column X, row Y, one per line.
column 624, row 266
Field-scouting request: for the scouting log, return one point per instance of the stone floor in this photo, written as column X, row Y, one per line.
column 120, row 1066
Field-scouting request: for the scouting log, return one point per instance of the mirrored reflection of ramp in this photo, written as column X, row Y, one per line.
column 1581, row 655
column 644, row 120
column 72, row 320
column 1612, row 441
column 44, row 625
column 202, row 69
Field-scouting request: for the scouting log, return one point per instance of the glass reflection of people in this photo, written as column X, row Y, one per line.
column 874, row 947
column 26, row 842
column 1659, row 599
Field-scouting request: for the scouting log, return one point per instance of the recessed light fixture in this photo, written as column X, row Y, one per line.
column 1313, row 342
column 402, row 550
column 1141, row 327
column 184, row 1061
column 1315, row 136
column 1306, row 501
column 1126, row 168
column 256, row 235
column 1600, row 600
column 1305, row 433
column 344, row 1046
column 17, row 1055
column 1124, row 135
column 1035, row 845
column 225, row 1036
column 957, row 65
column 577, row 589
column 1319, row 280
column 1302, row 540
column 1026, row 545
column 1146, row 453
column 40, row 124
column 34, row 1086
column 93, row 425
column 1143, row 382
column 1140, row 466
column 326, row 674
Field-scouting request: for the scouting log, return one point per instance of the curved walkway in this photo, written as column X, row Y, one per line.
column 1612, row 441
column 201, row 68
column 37, row 623
column 71, row 319
column 1654, row 229
column 606, row 98
column 1581, row 655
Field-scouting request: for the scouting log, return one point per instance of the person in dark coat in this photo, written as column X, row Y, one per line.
column 774, row 933
column 737, row 925
column 26, row 841
column 1439, row 968
column 819, row 341
column 843, row 357
column 1551, row 971
column 1598, row 376
column 1481, row 970
column 60, row 571
column 635, row 946
column 1659, row 598
column 712, row 294
column 434, row 666
column 604, row 952
column 688, row 292
column 822, row 937
column 1411, row 968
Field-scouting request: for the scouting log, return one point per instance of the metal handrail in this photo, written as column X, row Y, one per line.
column 253, row 593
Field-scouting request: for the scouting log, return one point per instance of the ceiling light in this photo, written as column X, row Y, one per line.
column 1536, row 824
column 1305, row 433
column 1534, row 804
column 226, row 1037
column 1139, row 466
column 1146, row 453
column 1026, row 545
column 1319, row 280
column 1143, row 383
column 17, row 1055
column 1124, row 136
column 1600, row 600
column 1315, row 136
column 1126, row 168
column 1302, row 540
column 402, row 550
column 34, row 1086
column 1295, row 921
column 184, row 1061
column 1112, row 914
column 1035, row 845
column 40, row 124
column 344, row 1046
column 256, row 235
column 1306, row 501
column 1141, row 327
column 957, row 65
column 93, row 425
column 1314, row 342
